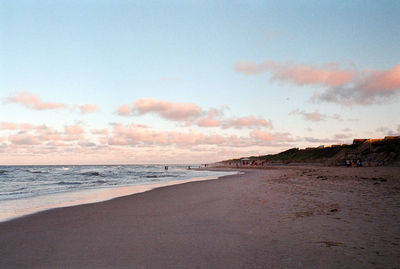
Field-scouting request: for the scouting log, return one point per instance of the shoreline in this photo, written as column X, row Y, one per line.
column 308, row 217
column 17, row 208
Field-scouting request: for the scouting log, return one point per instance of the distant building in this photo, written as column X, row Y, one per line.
column 245, row 161
column 391, row 137
column 359, row 140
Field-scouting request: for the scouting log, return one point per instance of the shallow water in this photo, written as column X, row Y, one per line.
column 29, row 189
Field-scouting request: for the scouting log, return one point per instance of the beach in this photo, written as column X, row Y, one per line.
column 279, row 217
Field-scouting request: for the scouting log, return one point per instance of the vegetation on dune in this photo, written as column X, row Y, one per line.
column 376, row 150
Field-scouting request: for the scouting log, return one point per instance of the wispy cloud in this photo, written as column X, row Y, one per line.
column 320, row 140
column 208, row 122
column 247, row 122
column 74, row 130
column 88, row 108
column 19, row 126
column 132, row 135
column 24, row 139
column 164, row 109
column 99, row 131
column 369, row 87
column 343, row 136
column 269, row 136
column 342, row 86
column 326, row 75
column 191, row 114
column 314, row 116
column 33, row 101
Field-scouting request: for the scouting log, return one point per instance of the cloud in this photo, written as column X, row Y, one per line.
column 345, row 87
column 33, row 101
column 74, row 130
column 261, row 135
column 314, row 116
column 88, row 108
column 86, row 144
column 24, row 139
column 299, row 74
column 320, row 140
column 389, row 131
column 190, row 113
column 99, row 131
column 369, row 87
column 382, row 129
column 164, row 109
column 71, row 133
column 134, row 136
column 271, row 137
column 342, row 136
column 247, row 122
column 19, row 126
column 208, row 122
column 211, row 118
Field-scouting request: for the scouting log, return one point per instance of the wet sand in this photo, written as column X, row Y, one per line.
column 293, row 217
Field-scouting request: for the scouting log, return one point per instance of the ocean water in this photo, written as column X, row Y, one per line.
column 29, row 189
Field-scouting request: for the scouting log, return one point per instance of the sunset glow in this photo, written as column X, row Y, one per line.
column 131, row 82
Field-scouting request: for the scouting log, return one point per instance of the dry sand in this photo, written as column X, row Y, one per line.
column 292, row 217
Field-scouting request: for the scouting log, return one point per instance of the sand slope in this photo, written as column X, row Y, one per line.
column 275, row 218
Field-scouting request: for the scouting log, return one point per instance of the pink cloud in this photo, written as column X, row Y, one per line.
column 99, row 131
column 125, row 110
column 342, row 136
column 132, row 135
column 275, row 139
column 327, row 75
column 208, row 122
column 32, row 101
column 57, row 144
column 248, row 122
column 368, row 88
column 18, row 126
column 74, row 130
column 49, row 134
column 382, row 81
column 24, row 139
column 212, row 118
column 165, row 109
column 262, row 135
column 346, row 87
column 88, row 108
column 314, row 116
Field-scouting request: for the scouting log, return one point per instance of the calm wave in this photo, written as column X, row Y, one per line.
column 19, row 182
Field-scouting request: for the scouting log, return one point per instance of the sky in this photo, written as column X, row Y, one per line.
column 143, row 82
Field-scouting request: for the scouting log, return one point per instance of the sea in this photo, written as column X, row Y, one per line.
column 29, row 189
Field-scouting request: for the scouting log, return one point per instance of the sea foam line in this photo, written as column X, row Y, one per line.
column 11, row 209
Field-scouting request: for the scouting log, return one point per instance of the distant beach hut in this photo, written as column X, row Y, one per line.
column 245, row 161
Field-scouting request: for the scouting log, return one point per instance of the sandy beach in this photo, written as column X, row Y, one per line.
column 281, row 217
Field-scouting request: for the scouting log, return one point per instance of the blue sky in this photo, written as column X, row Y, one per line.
column 112, row 53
